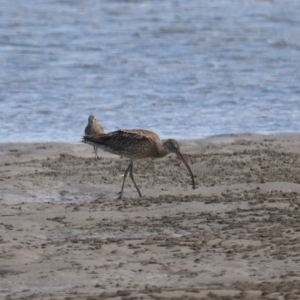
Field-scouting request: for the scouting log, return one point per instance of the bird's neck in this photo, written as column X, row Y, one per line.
column 162, row 151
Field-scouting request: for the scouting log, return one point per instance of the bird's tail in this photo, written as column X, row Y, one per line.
column 91, row 137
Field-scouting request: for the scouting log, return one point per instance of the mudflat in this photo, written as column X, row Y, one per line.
column 65, row 235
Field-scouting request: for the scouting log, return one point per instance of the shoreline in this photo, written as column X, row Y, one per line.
column 64, row 234
column 210, row 137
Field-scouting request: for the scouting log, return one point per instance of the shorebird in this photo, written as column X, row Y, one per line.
column 136, row 144
column 93, row 128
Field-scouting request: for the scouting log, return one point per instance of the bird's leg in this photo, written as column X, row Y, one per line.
column 96, row 155
column 125, row 175
column 131, row 176
column 154, row 171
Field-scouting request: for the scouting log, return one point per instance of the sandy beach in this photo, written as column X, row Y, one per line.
column 65, row 235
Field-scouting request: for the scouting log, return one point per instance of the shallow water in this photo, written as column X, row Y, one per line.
column 185, row 69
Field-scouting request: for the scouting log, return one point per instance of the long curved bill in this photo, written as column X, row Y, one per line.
column 180, row 156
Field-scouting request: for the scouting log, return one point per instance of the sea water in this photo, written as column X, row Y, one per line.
column 184, row 69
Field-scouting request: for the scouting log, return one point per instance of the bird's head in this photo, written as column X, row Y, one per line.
column 92, row 119
column 172, row 146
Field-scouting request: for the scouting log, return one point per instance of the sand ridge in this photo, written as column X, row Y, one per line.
column 63, row 234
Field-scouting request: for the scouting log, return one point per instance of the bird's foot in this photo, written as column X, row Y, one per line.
column 120, row 196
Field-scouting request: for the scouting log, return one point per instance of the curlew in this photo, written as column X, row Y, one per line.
column 136, row 144
column 93, row 128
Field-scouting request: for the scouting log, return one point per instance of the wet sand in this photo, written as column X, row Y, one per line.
column 64, row 234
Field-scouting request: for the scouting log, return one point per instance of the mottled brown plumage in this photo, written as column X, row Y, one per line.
column 93, row 128
column 136, row 144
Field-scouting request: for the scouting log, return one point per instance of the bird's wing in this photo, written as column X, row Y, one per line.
column 86, row 130
column 123, row 142
column 141, row 132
